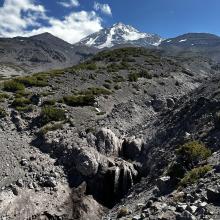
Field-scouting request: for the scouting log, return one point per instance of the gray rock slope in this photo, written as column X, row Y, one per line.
column 92, row 141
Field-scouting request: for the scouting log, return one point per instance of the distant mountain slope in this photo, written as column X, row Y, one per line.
column 119, row 34
column 202, row 44
column 38, row 53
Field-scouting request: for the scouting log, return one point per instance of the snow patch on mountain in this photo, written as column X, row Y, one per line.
column 120, row 34
column 183, row 40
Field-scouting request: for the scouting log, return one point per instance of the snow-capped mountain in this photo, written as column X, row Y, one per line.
column 119, row 34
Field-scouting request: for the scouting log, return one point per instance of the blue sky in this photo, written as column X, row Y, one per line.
column 72, row 20
column 169, row 17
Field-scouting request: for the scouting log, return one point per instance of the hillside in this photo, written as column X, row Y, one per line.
column 75, row 141
column 21, row 56
column 193, row 44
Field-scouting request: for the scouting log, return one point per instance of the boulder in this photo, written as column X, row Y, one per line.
column 186, row 215
column 181, row 207
column 87, row 161
column 213, row 195
column 20, row 183
column 85, row 207
column 108, row 143
column 132, row 147
column 17, row 120
column 191, row 208
column 170, row 103
column 158, row 206
column 159, row 104
column 167, row 215
column 36, row 99
column 163, row 184
column 48, row 181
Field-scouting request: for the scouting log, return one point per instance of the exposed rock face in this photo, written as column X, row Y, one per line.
column 213, row 195
column 87, row 162
column 159, row 104
column 163, row 184
column 132, row 147
column 108, row 143
column 119, row 179
column 96, row 160
column 85, row 207
column 170, row 103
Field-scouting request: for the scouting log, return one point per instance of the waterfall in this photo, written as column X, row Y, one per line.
column 116, row 179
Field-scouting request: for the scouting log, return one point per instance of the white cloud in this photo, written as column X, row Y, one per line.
column 104, row 8
column 24, row 18
column 19, row 14
column 69, row 3
column 74, row 27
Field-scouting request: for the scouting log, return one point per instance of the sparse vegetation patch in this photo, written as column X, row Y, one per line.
column 2, row 113
column 13, row 86
column 192, row 152
column 49, row 114
column 194, row 175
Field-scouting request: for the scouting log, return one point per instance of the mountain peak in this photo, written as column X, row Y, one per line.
column 119, row 34
column 50, row 38
column 118, row 24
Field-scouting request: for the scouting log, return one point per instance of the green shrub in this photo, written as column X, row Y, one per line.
column 128, row 59
column 96, row 91
column 86, row 66
column 86, row 97
column 37, row 80
column 192, row 152
column 49, row 102
column 117, row 87
column 13, row 86
column 44, row 94
column 124, row 65
column 24, row 108
column 21, row 102
column 3, row 96
column 133, row 77
column 52, row 127
column 79, row 100
column 49, row 114
column 22, row 93
column 2, row 113
column 113, row 67
column 123, row 54
column 91, row 66
column 118, row 78
column 145, row 74
column 194, row 175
